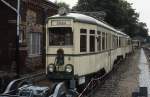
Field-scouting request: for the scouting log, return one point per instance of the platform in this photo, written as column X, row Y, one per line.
column 144, row 76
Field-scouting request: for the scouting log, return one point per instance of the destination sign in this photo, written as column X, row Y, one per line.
column 60, row 22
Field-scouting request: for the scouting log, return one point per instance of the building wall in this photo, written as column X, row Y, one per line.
column 31, row 38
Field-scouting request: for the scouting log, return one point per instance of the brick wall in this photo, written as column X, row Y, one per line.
column 33, row 16
column 33, row 20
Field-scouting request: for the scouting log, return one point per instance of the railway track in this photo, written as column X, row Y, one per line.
column 8, row 82
column 30, row 85
column 26, row 79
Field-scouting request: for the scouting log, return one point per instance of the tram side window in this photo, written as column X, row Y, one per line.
column 92, row 40
column 103, row 41
column 83, row 40
column 109, row 41
column 119, row 44
column 117, row 41
column 106, row 41
column 129, row 42
column 113, row 41
column 99, row 41
column 60, row 36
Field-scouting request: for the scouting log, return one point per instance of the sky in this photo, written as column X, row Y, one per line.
column 141, row 6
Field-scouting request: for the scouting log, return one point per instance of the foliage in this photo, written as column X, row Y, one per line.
column 62, row 4
column 119, row 14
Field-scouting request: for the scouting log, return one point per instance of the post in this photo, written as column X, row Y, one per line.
column 17, row 39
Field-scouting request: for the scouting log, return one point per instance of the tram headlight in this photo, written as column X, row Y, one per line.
column 51, row 68
column 69, row 68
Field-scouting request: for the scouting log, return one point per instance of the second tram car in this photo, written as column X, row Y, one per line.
column 136, row 44
column 79, row 47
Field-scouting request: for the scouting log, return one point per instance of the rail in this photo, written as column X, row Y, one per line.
column 7, row 95
column 15, row 84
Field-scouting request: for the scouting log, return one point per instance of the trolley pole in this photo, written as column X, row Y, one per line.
column 17, row 39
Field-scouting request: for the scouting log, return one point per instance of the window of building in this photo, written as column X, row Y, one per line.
column 92, row 40
column 83, row 40
column 35, row 44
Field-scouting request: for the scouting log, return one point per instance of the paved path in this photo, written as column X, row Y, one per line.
column 122, row 81
column 133, row 73
column 144, row 76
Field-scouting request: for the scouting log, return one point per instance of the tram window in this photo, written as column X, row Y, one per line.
column 83, row 31
column 119, row 42
column 92, row 43
column 103, row 41
column 109, row 40
column 83, row 40
column 99, row 41
column 106, row 41
column 60, row 36
column 113, row 41
column 129, row 42
column 92, row 40
column 92, row 31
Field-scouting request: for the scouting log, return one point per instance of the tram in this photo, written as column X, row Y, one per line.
column 79, row 47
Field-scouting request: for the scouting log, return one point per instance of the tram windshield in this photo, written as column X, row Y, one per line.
column 60, row 36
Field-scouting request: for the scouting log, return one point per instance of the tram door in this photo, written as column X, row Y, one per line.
column 7, row 36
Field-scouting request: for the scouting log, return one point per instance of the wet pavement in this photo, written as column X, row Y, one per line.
column 132, row 73
column 144, row 76
column 123, row 80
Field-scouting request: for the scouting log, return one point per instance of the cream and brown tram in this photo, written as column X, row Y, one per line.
column 78, row 47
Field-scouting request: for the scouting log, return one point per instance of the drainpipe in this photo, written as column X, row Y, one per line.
column 18, row 30
column 17, row 39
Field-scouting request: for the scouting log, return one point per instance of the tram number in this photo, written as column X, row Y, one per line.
column 60, row 22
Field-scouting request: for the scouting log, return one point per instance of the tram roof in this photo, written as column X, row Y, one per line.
column 87, row 19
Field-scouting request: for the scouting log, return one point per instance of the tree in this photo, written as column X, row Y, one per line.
column 62, row 4
column 119, row 14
